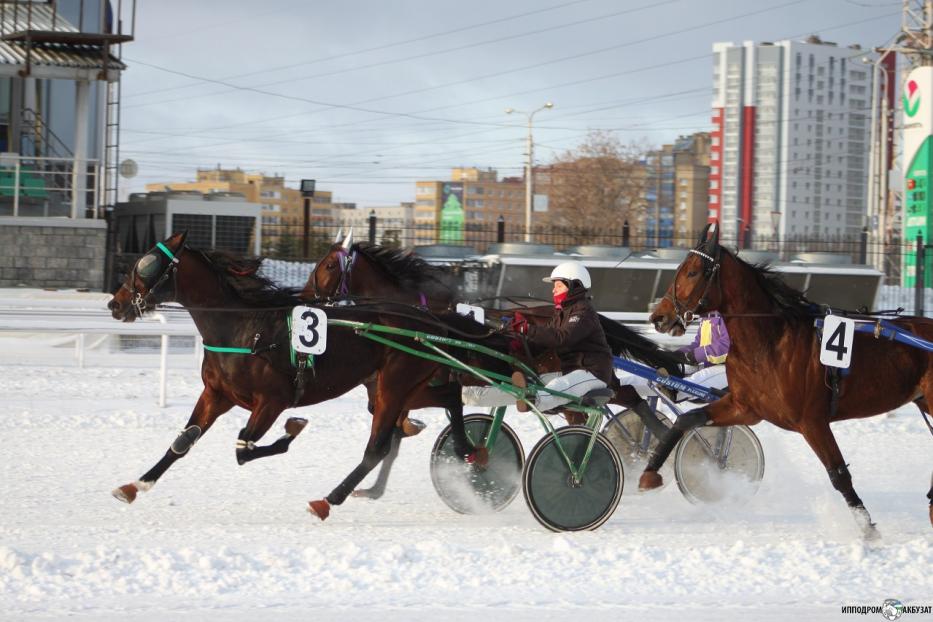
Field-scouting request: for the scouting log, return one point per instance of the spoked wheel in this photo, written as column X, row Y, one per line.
column 558, row 502
column 626, row 432
column 714, row 464
column 471, row 489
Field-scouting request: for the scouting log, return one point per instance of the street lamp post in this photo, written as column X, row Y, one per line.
column 529, row 169
column 878, row 157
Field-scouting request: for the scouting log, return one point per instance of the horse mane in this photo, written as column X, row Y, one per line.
column 239, row 277
column 409, row 271
column 790, row 303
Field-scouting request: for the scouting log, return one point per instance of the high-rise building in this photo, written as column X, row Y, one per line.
column 789, row 152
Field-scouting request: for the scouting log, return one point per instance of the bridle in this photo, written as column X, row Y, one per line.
column 142, row 302
column 346, row 259
column 683, row 313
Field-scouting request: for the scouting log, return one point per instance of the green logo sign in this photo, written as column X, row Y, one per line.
column 911, row 99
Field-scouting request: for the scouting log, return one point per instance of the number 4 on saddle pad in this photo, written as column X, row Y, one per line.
column 836, row 345
column 309, row 330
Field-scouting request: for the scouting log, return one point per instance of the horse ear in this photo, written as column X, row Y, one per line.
column 703, row 233
column 339, row 236
column 713, row 244
column 349, row 239
column 177, row 240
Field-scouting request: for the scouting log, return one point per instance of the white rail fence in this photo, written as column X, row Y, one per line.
column 30, row 316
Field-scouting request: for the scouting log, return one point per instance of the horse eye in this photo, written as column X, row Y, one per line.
column 692, row 273
column 331, row 265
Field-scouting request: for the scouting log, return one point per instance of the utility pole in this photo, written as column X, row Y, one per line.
column 529, row 169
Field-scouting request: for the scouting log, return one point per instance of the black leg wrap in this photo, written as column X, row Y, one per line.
column 650, row 419
column 664, row 449
column 371, row 458
column 691, row 419
column 686, row 421
column 842, row 481
column 186, row 440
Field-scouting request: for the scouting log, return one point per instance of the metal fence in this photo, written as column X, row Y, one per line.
column 291, row 254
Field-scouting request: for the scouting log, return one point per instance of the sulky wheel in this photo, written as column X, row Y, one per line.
column 559, row 503
column 470, row 489
column 713, row 464
column 626, row 432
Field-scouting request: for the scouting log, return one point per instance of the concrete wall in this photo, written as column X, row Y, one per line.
column 52, row 252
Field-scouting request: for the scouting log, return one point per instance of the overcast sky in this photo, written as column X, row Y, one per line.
column 369, row 96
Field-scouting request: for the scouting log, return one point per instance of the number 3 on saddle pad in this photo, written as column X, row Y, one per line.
column 836, row 346
column 309, row 330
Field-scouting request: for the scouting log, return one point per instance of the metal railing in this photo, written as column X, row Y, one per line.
column 38, row 186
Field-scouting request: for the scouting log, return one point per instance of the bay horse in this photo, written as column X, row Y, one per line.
column 362, row 271
column 774, row 367
column 233, row 307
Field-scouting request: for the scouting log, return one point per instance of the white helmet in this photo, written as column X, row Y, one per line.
column 570, row 271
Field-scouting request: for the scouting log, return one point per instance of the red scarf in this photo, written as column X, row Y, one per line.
column 560, row 298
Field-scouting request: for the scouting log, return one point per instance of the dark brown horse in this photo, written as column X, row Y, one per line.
column 774, row 365
column 363, row 272
column 233, row 307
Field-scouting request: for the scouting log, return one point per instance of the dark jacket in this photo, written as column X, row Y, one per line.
column 575, row 333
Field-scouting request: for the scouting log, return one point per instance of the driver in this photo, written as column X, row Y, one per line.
column 575, row 333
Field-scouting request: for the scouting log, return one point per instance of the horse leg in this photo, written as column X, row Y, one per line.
column 821, row 440
column 260, row 420
column 379, row 486
column 388, row 407
column 924, row 407
column 722, row 412
column 447, row 396
column 210, row 405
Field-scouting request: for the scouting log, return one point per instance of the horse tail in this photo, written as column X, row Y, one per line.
column 625, row 342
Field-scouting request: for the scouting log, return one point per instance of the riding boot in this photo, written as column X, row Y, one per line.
column 648, row 416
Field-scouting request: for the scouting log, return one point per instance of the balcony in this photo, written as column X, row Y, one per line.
column 33, row 186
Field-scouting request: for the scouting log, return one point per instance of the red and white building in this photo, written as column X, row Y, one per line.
column 790, row 139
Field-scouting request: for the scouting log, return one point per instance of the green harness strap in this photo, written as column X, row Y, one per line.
column 225, row 350
column 291, row 350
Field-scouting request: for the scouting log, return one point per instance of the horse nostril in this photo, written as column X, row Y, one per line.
column 112, row 305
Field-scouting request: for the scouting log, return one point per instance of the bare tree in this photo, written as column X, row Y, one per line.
column 598, row 185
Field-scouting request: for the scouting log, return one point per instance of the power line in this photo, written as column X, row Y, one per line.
column 379, row 47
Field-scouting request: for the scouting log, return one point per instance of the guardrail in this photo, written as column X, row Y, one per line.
column 80, row 318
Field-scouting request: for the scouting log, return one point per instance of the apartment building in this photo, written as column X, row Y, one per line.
column 789, row 153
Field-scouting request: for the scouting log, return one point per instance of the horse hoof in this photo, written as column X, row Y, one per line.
column 478, row 457
column 412, row 427
column 650, row 480
column 295, row 425
column 125, row 493
column 319, row 508
column 366, row 493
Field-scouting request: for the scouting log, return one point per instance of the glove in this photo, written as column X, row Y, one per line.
column 519, row 324
column 688, row 357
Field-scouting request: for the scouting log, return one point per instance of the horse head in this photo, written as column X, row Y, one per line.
column 331, row 275
column 691, row 292
column 150, row 281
